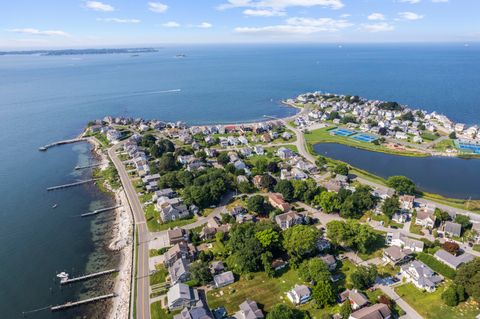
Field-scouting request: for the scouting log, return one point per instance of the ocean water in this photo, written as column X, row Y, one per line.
column 44, row 99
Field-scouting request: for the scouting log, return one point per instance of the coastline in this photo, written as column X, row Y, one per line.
column 122, row 242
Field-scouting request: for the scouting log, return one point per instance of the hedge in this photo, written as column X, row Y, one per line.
column 436, row 265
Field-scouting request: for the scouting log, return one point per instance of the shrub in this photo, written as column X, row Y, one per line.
column 436, row 265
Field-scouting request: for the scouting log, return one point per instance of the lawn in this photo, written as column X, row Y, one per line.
column 159, row 276
column 415, row 229
column 157, row 312
column 431, row 306
column 476, row 247
column 444, row 145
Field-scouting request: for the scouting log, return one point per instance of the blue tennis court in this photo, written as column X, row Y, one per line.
column 364, row 138
column 469, row 147
column 342, row 132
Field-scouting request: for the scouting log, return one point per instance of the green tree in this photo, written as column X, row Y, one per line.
column 200, row 272
column 245, row 187
column 267, row 258
column 352, row 234
column 452, row 135
column 272, row 167
column 324, row 293
column 223, row 158
column 364, row 277
column 256, row 203
column 390, row 206
column 313, row 269
column 300, row 241
column 468, row 276
column 167, row 163
column 280, row 311
column 441, row 216
column 285, row 188
column 345, row 309
column 245, row 249
column 329, row 202
column 402, row 185
column 269, row 238
column 463, row 220
column 267, row 182
column 450, row 297
column 341, row 168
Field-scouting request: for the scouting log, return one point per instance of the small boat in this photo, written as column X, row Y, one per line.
column 181, row 55
column 54, row 205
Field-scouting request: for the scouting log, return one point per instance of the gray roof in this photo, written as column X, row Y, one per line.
column 377, row 311
column 249, row 310
column 181, row 292
column 178, row 269
column 224, row 278
column 453, row 228
column 426, row 276
column 451, row 260
column 198, row 311
column 301, row 290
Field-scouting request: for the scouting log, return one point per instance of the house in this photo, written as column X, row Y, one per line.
column 166, row 192
column 248, row 310
column 179, row 271
column 277, row 201
column 425, row 218
column 452, row 229
column 400, row 217
column 177, row 235
column 453, row 261
column 407, row 202
column 333, row 185
column 169, row 212
column 224, row 279
column 266, row 138
column 181, row 250
column 217, row 267
column 356, row 298
column 198, row 311
column 299, row 294
column 476, row 229
column 258, row 150
column 330, row 261
column 402, row 241
column 180, row 296
column 376, row 311
column 285, row 153
column 287, row 220
column 422, row 276
column 396, row 255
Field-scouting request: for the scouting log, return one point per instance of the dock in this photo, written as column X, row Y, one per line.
column 73, row 140
column 71, row 304
column 101, row 210
column 72, row 184
column 89, row 166
column 65, row 280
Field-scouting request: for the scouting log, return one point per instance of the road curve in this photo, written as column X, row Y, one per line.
column 142, row 277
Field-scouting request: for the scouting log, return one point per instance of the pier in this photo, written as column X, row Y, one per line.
column 65, row 280
column 89, row 166
column 74, row 140
column 81, row 302
column 101, row 210
column 72, row 184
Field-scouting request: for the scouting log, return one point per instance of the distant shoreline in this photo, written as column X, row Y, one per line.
column 80, row 52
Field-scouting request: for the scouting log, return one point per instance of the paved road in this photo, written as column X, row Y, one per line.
column 412, row 314
column 142, row 280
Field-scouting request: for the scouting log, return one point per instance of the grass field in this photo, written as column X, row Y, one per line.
column 323, row 136
column 156, row 311
column 431, row 306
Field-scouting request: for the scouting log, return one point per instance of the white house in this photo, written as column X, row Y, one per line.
column 299, row 294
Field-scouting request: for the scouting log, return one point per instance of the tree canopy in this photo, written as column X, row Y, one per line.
column 300, row 241
column 390, row 206
column 402, row 185
column 352, row 234
column 364, row 276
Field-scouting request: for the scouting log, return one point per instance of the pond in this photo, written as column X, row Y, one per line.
column 447, row 176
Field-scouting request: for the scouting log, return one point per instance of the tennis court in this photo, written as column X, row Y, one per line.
column 469, row 147
column 342, row 132
column 364, row 138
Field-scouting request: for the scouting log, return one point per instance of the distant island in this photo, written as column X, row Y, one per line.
column 80, row 51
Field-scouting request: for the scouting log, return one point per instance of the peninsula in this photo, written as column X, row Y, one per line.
column 241, row 220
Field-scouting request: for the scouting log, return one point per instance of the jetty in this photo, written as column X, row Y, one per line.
column 101, row 210
column 89, row 166
column 71, row 304
column 65, row 280
column 72, row 184
column 73, row 140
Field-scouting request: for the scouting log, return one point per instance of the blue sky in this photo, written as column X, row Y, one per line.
column 79, row 23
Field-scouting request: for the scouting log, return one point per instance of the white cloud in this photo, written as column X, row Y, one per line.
column 32, row 31
column 376, row 16
column 263, row 13
column 439, row 1
column 204, row 25
column 99, row 6
column 345, row 15
column 298, row 25
column 410, row 1
column 117, row 20
column 410, row 15
column 280, row 4
column 157, row 7
column 171, row 24
column 377, row 27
